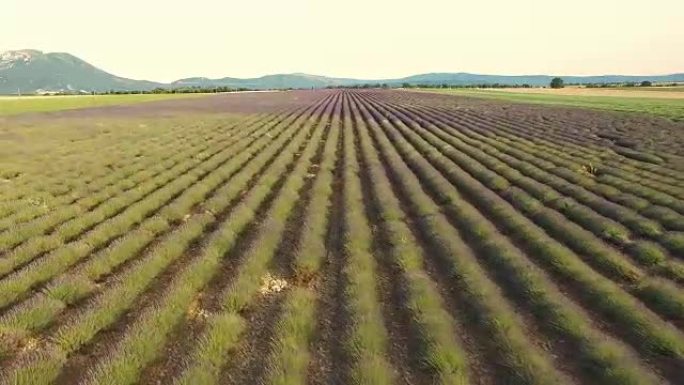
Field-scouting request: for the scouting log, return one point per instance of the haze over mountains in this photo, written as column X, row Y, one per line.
column 32, row 71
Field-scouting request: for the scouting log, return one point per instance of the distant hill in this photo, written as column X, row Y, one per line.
column 297, row 80
column 32, row 71
column 462, row 78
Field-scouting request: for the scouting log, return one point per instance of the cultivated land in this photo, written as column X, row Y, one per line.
column 626, row 92
column 655, row 101
column 341, row 237
column 12, row 105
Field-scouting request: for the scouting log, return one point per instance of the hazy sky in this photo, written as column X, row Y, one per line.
column 166, row 40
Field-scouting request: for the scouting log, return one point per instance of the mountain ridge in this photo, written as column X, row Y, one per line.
column 33, row 71
column 30, row 71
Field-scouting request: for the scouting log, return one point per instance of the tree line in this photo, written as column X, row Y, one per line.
column 556, row 82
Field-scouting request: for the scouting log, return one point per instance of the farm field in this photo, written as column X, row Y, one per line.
column 665, row 89
column 12, row 105
column 667, row 102
column 636, row 92
column 341, row 237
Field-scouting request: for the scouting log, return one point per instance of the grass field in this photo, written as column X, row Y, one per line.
column 623, row 100
column 341, row 237
column 12, row 105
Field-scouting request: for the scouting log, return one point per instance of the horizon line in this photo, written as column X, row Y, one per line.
column 343, row 77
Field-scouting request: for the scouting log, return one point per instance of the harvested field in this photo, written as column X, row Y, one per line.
column 623, row 92
column 341, row 237
column 635, row 101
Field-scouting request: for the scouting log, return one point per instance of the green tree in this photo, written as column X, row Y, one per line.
column 646, row 83
column 557, row 83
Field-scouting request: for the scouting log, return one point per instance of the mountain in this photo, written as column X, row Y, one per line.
column 31, row 71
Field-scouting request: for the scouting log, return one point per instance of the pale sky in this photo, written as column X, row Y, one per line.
column 166, row 40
